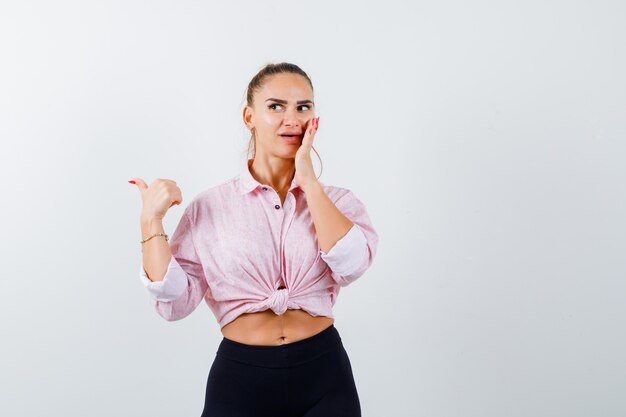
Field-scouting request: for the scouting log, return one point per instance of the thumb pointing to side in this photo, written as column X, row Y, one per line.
column 158, row 197
column 142, row 187
column 140, row 183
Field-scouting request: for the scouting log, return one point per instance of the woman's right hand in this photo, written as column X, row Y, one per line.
column 158, row 197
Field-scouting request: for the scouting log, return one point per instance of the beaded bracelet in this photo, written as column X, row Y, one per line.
column 156, row 234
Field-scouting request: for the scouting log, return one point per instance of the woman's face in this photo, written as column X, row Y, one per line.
column 284, row 105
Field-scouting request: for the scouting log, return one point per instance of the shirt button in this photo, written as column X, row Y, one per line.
column 264, row 188
column 276, row 206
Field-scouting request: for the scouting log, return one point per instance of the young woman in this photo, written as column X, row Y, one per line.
column 268, row 251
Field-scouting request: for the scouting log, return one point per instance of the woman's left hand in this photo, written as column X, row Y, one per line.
column 305, row 175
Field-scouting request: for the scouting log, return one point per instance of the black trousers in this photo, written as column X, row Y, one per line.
column 308, row 378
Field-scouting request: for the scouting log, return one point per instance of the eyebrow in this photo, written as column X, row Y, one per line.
column 285, row 101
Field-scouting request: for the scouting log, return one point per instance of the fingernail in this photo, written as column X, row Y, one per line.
column 131, row 181
column 317, row 123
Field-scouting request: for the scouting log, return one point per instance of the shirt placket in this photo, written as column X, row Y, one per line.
column 286, row 213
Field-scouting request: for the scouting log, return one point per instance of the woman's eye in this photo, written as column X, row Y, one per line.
column 271, row 106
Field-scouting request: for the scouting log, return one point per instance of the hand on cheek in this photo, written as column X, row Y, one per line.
column 305, row 174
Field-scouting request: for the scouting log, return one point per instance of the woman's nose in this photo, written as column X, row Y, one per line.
column 293, row 119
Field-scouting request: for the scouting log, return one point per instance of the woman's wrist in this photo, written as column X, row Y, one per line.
column 150, row 225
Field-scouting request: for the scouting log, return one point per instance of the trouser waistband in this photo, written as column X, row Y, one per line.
column 281, row 356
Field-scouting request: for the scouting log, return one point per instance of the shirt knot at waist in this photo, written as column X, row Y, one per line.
column 278, row 300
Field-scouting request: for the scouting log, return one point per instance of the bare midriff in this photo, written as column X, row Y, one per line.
column 266, row 328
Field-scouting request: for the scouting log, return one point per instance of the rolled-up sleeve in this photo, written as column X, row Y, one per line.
column 184, row 285
column 354, row 253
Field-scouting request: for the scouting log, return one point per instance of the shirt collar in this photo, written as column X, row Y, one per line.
column 248, row 183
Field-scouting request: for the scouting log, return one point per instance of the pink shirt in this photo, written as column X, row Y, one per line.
column 241, row 251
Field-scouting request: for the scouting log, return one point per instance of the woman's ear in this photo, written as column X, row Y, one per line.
column 247, row 117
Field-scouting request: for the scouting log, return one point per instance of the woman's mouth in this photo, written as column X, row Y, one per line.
column 292, row 138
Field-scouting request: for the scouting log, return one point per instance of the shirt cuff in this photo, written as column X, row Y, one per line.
column 348, row 253
column 173, row 285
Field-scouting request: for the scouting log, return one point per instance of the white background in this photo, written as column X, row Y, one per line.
column 487, row 140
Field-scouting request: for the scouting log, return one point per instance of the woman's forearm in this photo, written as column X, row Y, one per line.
column 156, row 251
column 330, row 224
